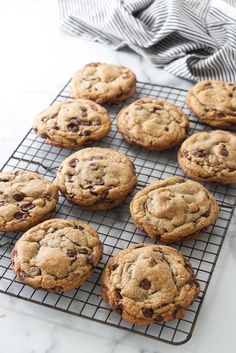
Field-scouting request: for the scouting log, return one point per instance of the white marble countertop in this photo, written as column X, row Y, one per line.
column 36, row 61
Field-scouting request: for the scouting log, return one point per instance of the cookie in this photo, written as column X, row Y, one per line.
column 57, row 255
column 26, row 199
column 104, row 83
column 210, row 157
column 96, row 178
column 173, row 209
column 149, row 284
column 73, row 123
column 214, row 102
column 153, row 124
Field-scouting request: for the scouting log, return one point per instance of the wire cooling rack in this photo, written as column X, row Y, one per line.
column 115, row 227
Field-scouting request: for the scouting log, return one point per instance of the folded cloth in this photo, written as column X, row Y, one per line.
column 193, row 39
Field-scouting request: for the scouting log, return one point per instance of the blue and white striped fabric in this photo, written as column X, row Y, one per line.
column 193, row 39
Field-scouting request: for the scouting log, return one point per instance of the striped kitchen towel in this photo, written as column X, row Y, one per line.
column 193, row 39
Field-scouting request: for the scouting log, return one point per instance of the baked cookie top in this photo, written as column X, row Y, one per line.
column 26, row 198
column 209, row 156
column 173, row 209
column 96, row 178
column 72, row 123
column 104, row 83
column 149, row 283
column 214, row 102
column 153, row 123
column 57, row 255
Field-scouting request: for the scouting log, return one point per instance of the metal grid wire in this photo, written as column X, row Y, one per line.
column 115, row 226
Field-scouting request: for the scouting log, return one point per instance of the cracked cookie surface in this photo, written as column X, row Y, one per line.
column 153, row 124
column 149, row 283
column 214, row 102
column 173, row 209
column 104, row 83
column 72, row 123
column 57, row 255
column 96, row 178
column 210, row 157
column 26, row 198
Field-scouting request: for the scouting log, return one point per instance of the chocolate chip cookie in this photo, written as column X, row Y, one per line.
column 57, row 255
column 96, row 178
column 153, row 124
column 214, row 102
column 26, row 199
column 173, row 209
column 210, row 157
column 149, row 283
column 73, row 123
column 104, row 83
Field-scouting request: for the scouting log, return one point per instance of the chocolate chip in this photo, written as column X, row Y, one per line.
column 73, row 126
column 88, row 142
column 34, row 271
column 224, row 151
column 2, row 203
column 145, row 284
column 222, row 115
column 199, row 153
column 166, row 128
column 113, row 267
column 85, row 122
column 71, row 195
column 159, row 318
column 78, row 226
column 19, row 196
column 19, row 215
column 92, row 192
column 119, row 309
column 73, row 162
column 69, row 178
column 118, row 295
column 43, row 135
column 231, row 95
column 103, row 194
column 190, row 282
column 96, row 122
column 86, row 133
column 185, row 153
column 207, row 84
column 206, row 214
column 4, row 180
column 56, row 289
column 153, row 263
column 94, row 108
column 27, row 207
column 71, row 252
column 206, row 109
column 84, row 115
column 83, row 251
column 93, row 166
column 100, row 181
column 90, row 260
column 147, row 312
column 23, row 275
